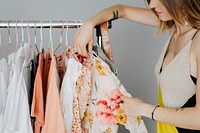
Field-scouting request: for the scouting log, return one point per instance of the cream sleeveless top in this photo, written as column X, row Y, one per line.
column 175, row 81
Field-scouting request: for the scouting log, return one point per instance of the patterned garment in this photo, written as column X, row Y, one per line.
column 106, row 41
column 68, row 101
column 95, row 92
column 104, row 112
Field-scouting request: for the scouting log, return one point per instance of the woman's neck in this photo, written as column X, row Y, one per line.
column 182, row 29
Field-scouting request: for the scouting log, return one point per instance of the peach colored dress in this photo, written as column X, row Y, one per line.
column 54, row 122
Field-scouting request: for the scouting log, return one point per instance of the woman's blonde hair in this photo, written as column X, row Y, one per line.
column 182, row 11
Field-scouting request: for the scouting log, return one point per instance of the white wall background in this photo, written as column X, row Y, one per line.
column 135, row 47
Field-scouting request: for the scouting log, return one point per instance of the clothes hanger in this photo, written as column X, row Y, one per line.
column 50, row 36
column 16, row 36
column 72, row 49
column 22, row 31
column 7, row 49
column 35, row 39
column 28, row 34
column 29, row 42
column 9, row 35
column 61, row 38
column 11, row 47
column 69, row 50
column 41, row 38
column 1, row 46
column 1, row 42
column 66, row 37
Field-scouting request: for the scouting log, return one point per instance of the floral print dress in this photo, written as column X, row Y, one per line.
column 104, row 112
column 95, row 93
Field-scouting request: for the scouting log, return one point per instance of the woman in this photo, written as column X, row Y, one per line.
column 177, row 70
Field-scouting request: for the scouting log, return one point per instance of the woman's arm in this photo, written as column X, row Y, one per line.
column 135, row 14
column 188, row 118
column 84, row 35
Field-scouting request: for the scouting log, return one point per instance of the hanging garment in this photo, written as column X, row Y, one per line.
column 37, row 109
column 33, row 70
column 47, row 65
column 104, row 112
column 180, row 90
column 100, row 103
column 61, row 65
column 67, row 92
column 13, row 80
column 54, row 122
column 81, row 96
column 4, row 80
column 106, row 41
column 17, row 114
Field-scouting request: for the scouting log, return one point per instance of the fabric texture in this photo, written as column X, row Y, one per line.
column 99, row 110
column 68, row 92
column 37, row 109
column 4, row 80
column 17, row 113
column 54, row 122
column 47, row 65
column 104, row 112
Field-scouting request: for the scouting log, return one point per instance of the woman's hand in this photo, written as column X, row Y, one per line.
column 83, row 39
column 132, row 106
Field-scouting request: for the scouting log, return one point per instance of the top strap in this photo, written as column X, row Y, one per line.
column 195, row 34
column 106, row 40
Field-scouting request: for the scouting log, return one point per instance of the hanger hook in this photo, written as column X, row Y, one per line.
column 81, row 21
column 41, row 37
column 22, row 30
column 9, row 35
column 66, row 41
column 50, row 36
column 28, row 33
column 17, row 36
column 35, row 37
column 63, row 26
column 28, row 36
column 61, row 34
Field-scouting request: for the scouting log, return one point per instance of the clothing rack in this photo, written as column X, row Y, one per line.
column 51, row 24
column 44, row 24
column 39, row 24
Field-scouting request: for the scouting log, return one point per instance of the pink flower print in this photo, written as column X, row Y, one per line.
column 105, row 113
column 115, row 99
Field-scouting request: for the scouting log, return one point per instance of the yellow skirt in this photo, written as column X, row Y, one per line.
column 163, row 127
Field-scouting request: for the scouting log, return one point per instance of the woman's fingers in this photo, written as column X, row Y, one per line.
column 83, row 39
column 90, row 46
